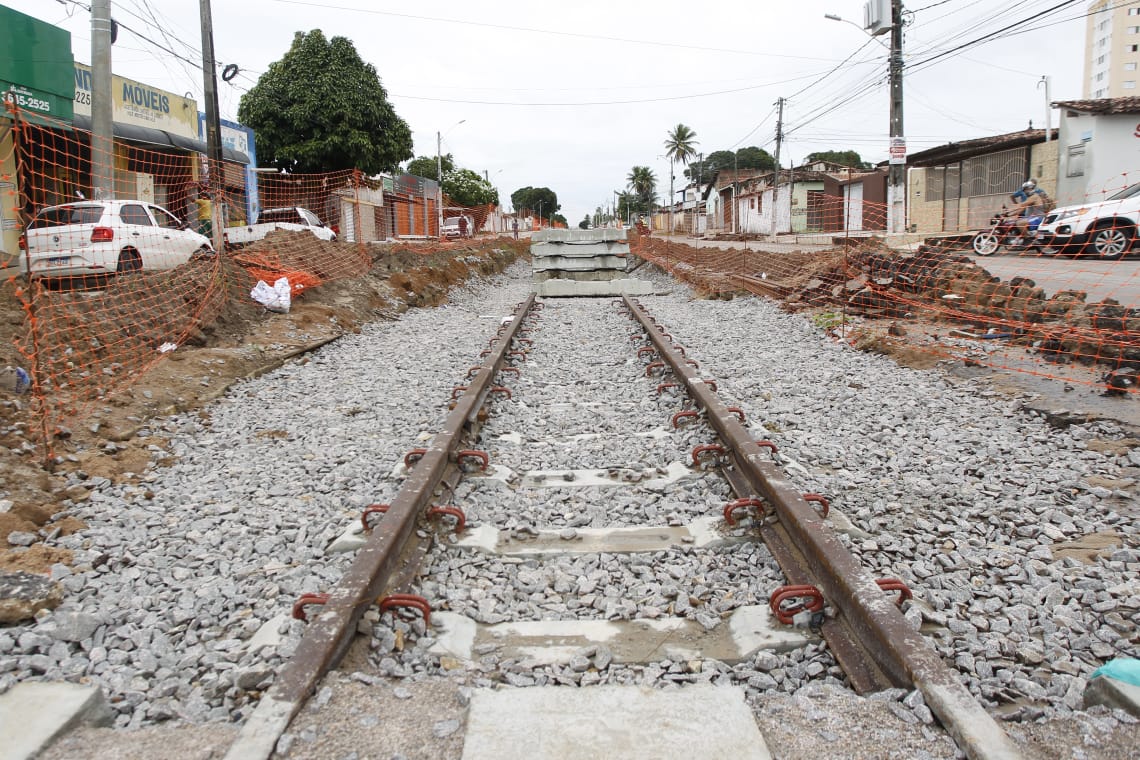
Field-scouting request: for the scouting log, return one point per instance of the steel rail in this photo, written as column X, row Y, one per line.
column 330, row 633
column 901, row 652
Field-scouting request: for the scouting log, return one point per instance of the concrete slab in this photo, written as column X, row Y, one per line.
column 620, row 477
column 578, row 236
column 612, row 722
column 34, row 713
column 701, row 533
column 547, row 642
column 1114, row 693
column 568, row 288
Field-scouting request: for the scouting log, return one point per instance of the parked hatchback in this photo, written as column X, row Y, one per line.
column 1106, row 229
column 102, row 237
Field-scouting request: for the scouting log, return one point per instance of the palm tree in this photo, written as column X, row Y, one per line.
column 643, row 183
column 680, row 146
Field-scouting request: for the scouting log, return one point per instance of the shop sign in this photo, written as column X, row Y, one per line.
column 141, row 105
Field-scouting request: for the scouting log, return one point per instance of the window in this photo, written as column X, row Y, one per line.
column 132, row 214
column 1133, row 30
column 935, row 178
column 1100, row 77
column 165, row 218
column 1100, row 60
column 993, row 174
column 1129, row 84
column 64, row 215
column 1076, row 164
column 1133, row 48
column 1134, row 11
column 1130, row 67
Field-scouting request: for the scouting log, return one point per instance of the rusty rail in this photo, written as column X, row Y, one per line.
column 900, row 652
column 330, row 632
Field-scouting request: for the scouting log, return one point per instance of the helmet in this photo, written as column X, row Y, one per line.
column 1030, row 184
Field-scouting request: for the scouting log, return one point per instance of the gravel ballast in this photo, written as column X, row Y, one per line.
column 978, row 506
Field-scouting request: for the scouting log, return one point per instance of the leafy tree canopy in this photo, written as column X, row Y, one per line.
column 559, row 219
column 745, row 158
column 585, row 223
column 321, row 108
column 531, row 198
column 426, row 167
column 467, row 188
column 842, row 157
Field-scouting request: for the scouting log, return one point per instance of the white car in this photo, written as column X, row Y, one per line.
column 1106, row 229
column 294, row 218
column 453, row 229
column 103, row 237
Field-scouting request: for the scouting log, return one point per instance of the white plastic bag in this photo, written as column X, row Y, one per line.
column 275, row 298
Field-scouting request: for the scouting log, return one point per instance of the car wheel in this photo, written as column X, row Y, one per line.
column 129, row 261
column 1110, row 242
column 986, row 243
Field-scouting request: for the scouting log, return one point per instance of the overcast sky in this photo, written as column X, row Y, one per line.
column 572, row 95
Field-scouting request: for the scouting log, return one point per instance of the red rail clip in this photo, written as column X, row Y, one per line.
column 821, row 500
column 482, row 456
column 707, row 448
column 654, row 365
column 457, row 391
column 527, row 341
column 895, row 584
column 372, row 509
column 520, row 354
column 516, row 370
column 683, row 415
column 680, row 348
column 456, row 512
column 736, row 410
column 306, row 600
column 500, row 390
column 786, row 601
column 693, row 363
column 710, row 383
column 646, row 350
column 413, row 456
column 732, row 506
column 666, row 386
column 472, row 371
column 768, row 445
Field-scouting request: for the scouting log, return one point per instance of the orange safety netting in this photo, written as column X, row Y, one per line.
column 1050, row 314
column 118, row 284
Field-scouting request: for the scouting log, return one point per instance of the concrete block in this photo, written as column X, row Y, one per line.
column 612, row 722
column 34, row 713
column 1111, row 692
column 575, row 236
column 567, row 288
column 580, row 263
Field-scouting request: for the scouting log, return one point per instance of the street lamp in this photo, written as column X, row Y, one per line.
column 439, row 177
column 896, row 183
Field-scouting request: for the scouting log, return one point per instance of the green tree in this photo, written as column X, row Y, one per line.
column 643, row 183
column 680, row 146
column 321, row 108
column 559, row 219
column 745, row 158
column 585, row 223
column 536, row 199
column 426, row 167
column 842, row 157
column 467, row 188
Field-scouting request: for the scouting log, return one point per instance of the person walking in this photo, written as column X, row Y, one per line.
column 515, row 226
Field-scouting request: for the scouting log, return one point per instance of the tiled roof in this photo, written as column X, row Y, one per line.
column 956, row 151
column 1102, row 105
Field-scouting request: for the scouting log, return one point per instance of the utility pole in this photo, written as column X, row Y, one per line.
column 213, row 127
column 697, row 195
column 776, row 184
column 439, row 183
column 896, row 190
column 102, row 134
column 1047, row 81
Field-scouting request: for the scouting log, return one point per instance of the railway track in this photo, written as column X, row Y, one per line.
column 561, row 544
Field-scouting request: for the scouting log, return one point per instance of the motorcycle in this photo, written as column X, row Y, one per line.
column 1005, row 232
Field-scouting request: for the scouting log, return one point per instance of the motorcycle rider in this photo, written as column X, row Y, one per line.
column 1030, row 206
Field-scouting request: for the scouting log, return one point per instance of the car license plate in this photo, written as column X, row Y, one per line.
column 58, row 261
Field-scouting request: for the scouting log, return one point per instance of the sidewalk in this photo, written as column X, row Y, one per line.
column 789, row 243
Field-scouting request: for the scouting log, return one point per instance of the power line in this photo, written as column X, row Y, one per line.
column 554, row 32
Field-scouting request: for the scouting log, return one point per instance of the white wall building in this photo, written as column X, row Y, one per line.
column 1112, row 49
column 1099, row 147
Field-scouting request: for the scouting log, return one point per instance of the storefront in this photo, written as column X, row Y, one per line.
column 239, row 180
column 35, row 77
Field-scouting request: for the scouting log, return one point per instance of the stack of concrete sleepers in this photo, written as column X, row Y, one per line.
column 583, row 263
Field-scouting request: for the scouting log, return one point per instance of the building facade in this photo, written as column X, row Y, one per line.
column 1100, row 148
column 1112, row 49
